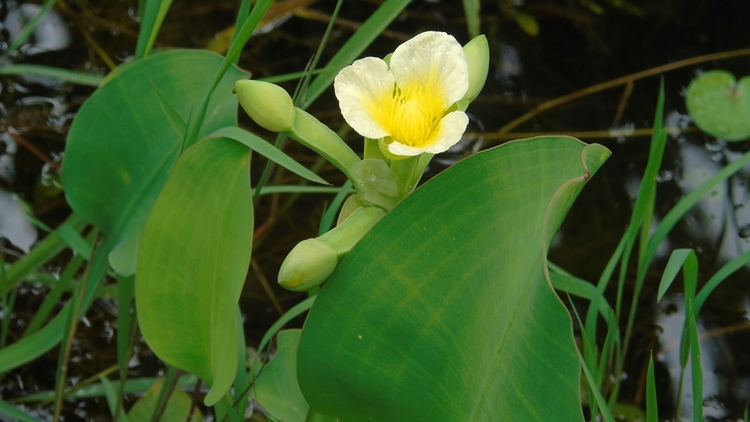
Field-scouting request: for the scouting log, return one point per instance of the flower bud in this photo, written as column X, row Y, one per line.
column 267, row 104
column 308, row 265
column 312, row 261
column 478, row 56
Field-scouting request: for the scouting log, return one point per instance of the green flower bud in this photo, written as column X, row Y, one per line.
column 267, row 104
column 312, row 261
column 308, row 265
column 478, row 56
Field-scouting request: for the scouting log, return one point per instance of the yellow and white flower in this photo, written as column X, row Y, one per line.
column 411, row 104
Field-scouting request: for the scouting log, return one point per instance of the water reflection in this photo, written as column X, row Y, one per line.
column 724, row 384
column 51, row 33
column 14, row 225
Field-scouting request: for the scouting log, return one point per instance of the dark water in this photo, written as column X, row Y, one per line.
column 574, row 49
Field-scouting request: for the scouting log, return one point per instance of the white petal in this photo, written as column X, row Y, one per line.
column 358, row 85
column 434, row 59
column 451, row 128
column 397, row 148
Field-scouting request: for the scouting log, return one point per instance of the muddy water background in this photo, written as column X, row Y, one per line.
column 575, row 48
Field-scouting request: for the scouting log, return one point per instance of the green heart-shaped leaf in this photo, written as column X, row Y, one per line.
column 128, row 135
column 444, row 311
column 719, row 105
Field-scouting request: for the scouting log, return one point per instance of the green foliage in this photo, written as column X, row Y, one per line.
column 720, row 105
column 460, row 262
column 194, row 256
column 276, row 388
column 178, row 408
column 129, row 134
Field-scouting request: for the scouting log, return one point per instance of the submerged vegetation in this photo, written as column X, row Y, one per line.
column 428, row 297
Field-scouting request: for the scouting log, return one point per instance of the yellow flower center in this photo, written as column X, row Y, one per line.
column 410, row 114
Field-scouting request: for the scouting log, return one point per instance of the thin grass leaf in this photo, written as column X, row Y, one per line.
column 471, row 11
column 314, row 63
column 242, row 14
column 241, row 380
column 686, row 203
column 354, row 47
column 329, row 216
column 235, row 48
column 580, row 288
column 29, row 28
column 652, row 410
column 589, row 348
column 64, row 284
column 643, row 211
column 65, row 75
column 681, row 259
column 35, row 345
column 276, row 79
column 41, row 253
column 604, row 279
column 131, row 386
column 73, row 239
column 125, row 322
column 7, row 409
column 325, row 190
column 725, row 271
column 606, row 414
column 262, row 147
column 110, row 394
column 292, row 313
column 695, row 364
column 152, row 16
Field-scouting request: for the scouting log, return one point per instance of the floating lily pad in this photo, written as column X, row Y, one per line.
column 720, row 105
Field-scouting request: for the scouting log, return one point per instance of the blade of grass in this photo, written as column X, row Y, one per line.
column 641, row 219
column 63, row 284
column 293, row 75
column 29, row 28
column 589, row 348
column 652, row 410
column 152, row 14
column 259, row 145
column 41, row 253
column 94, row 390
column 16, row 414
column 235, row 48
column 685, row 204
column 267, row 190
column 242, row 13
column 329, row 216
column 685, row 260
column 110, row 394
column 125, row 331
column 241, row 380
column 33, row 346
column 353, row 48
column 577, row 287
column 300, row 92
column 65, row 75
column 695, row 364
column 170, row 382
column 471, row 11
column 606, row 414
column 725, row 271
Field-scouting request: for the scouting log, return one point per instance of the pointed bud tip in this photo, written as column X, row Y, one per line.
column 478, row 56
column 308, row 265
column 267, row 104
